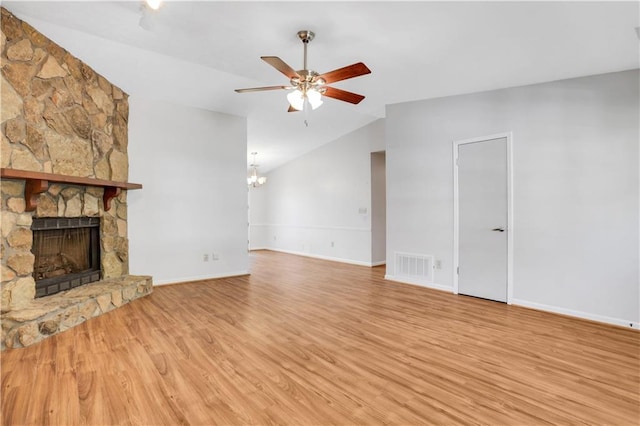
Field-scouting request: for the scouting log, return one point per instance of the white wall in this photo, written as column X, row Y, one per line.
column 192, row 164
column 575, row 162
column 317, row 199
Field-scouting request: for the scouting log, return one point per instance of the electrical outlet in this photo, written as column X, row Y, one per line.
column 438, row 264
column 215, row 256
column 274, row 238
column 331, row 243
column 205, row 257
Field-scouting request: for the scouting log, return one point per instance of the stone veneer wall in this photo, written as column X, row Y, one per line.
column 57, row 116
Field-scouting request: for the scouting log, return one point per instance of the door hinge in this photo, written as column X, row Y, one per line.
column 458, row 270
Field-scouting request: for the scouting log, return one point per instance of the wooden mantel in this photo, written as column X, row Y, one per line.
column 38, row 182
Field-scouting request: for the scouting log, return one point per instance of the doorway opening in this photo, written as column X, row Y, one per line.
column 378, row 209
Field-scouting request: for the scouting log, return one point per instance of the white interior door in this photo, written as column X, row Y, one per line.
column 483, row 218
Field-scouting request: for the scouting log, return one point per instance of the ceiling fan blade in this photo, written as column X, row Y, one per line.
column 343, row 95
column 350, row 71
column 280, row 65
column 262, row 89
column 292, row 109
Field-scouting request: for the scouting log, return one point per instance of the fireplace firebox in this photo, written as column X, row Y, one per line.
column 67, row 253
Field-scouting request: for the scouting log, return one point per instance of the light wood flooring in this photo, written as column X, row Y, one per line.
column 309, row 342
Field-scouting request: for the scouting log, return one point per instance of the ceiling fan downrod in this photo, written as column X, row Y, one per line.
column 305, row 36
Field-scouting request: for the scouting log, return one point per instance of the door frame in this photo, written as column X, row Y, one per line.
column 456, row 212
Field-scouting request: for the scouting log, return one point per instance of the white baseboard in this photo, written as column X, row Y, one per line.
column 318, row 256
column 382, row 262
column 405, row 280
column 578, row 314
column 259, row 248
column 182, row 280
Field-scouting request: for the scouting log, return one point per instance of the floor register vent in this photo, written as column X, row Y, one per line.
column 415, row 266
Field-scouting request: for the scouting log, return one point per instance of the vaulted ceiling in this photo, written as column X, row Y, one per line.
column 197, row 53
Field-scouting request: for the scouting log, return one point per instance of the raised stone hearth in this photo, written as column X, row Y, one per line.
column 46, row 316
column 66, row 127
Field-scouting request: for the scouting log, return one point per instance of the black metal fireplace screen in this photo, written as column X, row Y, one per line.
column 67, row 253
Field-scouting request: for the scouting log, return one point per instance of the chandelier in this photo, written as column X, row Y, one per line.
column 253, row 180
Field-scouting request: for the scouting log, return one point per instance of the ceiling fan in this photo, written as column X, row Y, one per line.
column 308, row 86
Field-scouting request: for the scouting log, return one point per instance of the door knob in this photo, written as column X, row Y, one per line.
column 498, row 229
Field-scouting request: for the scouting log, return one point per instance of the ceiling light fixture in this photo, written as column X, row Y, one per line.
column 307, row 87
column 154, row 4
column 254, row 180
column 149, row 8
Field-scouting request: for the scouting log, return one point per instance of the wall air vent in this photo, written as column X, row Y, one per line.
column 417, row 267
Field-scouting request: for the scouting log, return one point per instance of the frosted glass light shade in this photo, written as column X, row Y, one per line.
column 296, row 99
column 315, row 98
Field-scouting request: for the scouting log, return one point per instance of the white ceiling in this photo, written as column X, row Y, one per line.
column 198, row 52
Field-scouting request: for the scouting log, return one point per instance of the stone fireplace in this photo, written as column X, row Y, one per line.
column 63, row 190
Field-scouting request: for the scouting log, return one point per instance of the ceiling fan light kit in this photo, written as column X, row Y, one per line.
column 307, row 86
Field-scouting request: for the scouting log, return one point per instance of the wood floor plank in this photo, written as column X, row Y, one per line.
column 18, row 384
column 305, row 341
